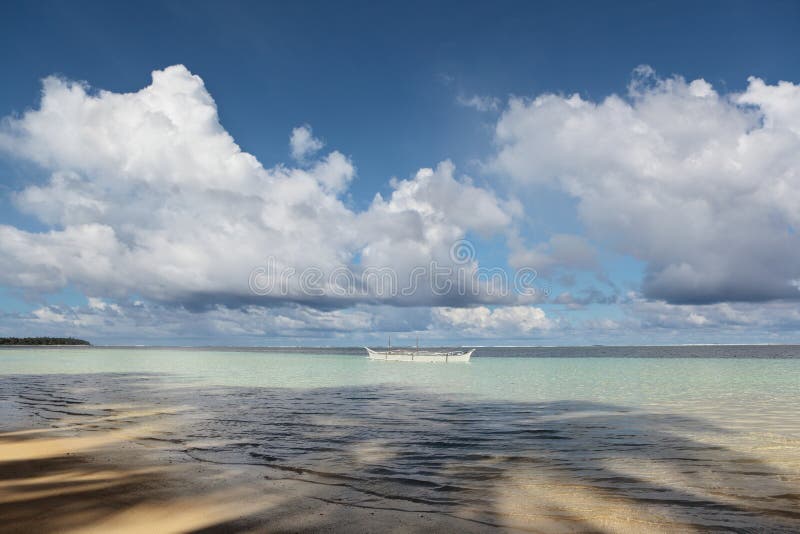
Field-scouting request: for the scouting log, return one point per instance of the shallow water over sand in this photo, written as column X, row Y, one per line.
column 601, row 443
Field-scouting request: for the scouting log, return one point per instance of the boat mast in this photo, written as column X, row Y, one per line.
column 390, row 342
column 417, row 344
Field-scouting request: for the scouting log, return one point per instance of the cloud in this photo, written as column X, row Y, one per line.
column 303, row 143
column 586, row 297
column 480, row 103
column 148, row 195
column 779, row 318
column 560, row 252
column 434, row 210
column 702, row 187
column 638, row 320
column 101, row 320
column 48, row 315
column 482, row 321
column 132, row 321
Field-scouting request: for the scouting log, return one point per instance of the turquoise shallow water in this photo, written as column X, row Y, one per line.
column 627, row 380
column 698, row 438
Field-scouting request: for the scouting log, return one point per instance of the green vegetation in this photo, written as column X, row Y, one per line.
column 42, row 341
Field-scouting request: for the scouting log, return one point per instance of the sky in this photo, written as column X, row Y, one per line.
column 318, row 173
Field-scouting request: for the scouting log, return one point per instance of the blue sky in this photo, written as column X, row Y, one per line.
column 395, row 88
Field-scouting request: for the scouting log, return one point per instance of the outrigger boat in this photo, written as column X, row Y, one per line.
column 407, row 355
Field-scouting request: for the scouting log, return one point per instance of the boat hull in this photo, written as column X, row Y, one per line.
column 421, row 357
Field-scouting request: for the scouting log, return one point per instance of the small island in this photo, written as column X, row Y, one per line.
column 42, row 341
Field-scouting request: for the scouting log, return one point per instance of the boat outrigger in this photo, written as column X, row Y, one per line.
column 410, row 355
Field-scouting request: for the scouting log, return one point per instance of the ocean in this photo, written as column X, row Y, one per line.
column 578, row 438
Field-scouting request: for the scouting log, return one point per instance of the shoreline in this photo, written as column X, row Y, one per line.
column 92, row 485
column 134, row 488
column 112, row 473
column 137, row 450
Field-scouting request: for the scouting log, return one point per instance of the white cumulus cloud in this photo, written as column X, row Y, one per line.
column 504, row 320
column 303, row 143
column 701, row 186
column 149, row 195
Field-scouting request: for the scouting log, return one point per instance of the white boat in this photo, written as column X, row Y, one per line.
column 404, row 355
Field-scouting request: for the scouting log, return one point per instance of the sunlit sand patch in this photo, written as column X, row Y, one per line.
column 35, row 449
column 69, row 434
column 703, row 483
column 68, row 482
column 372, row 452
column 84, row 495
column 74, row 424
column 765, row 452
column 123, row 414
column 56, row 467
column 11, row 435
column 545, row 499
column 557, row 506
column 186, row 514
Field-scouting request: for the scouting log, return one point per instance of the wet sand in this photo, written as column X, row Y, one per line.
column 88, row 477
column 87, row 473
column 139, row 453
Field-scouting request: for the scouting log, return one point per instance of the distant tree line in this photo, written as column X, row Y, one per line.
column 42, row 341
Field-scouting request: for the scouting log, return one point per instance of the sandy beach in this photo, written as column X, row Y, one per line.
column 141, row 453
column 111, row 474
column 154, row 452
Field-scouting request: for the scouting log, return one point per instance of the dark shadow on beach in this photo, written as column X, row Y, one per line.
column 117, row 452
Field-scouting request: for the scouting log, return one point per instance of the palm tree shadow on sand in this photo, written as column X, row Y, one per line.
column 116, row 452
